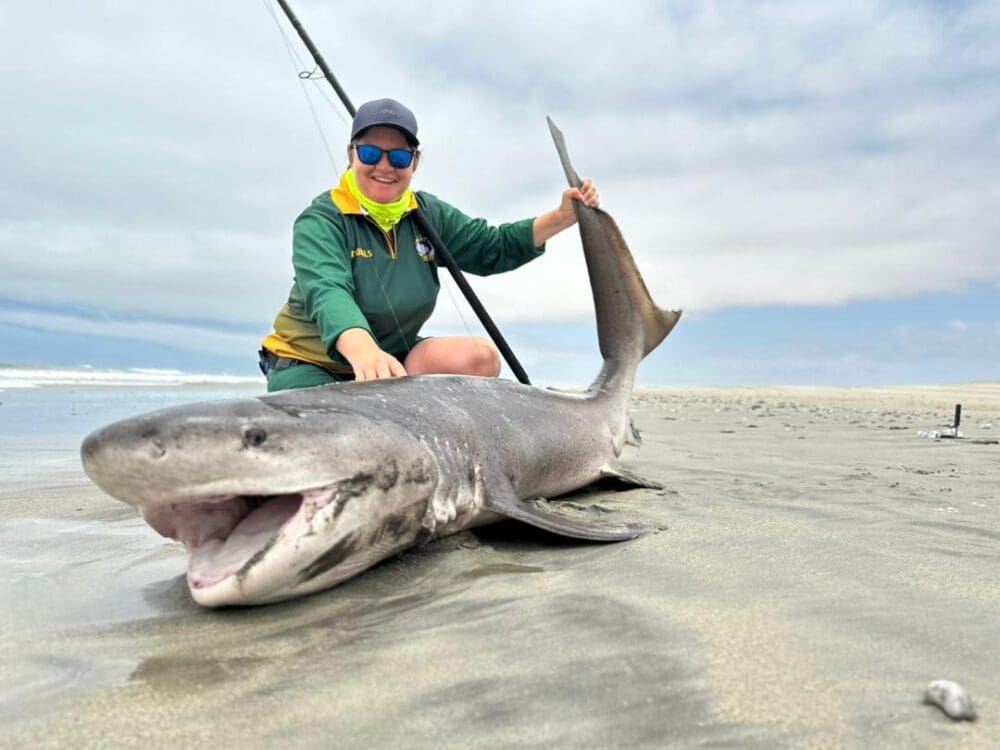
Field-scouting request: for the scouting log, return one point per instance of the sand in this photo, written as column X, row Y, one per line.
column 816, row 563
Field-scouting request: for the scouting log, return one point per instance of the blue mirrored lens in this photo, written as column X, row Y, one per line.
column 368, row 154
column 400, row 158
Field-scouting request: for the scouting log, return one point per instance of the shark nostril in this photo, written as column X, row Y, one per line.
column 254, row 435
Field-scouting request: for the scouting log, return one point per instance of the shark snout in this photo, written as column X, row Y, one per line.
column 96, row 453
column 118, row 456
column 94, row 456
column 90, row 449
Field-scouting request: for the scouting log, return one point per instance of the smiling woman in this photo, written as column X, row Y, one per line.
column 365, row 275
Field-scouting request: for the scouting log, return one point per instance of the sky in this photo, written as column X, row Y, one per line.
column 817, row 185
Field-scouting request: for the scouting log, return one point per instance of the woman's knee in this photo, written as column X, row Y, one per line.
column 456, row 356
column 477, row 356
column 487, row 359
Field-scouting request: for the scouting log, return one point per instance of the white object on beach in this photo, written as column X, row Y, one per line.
column 951, row 698
column 945, row 432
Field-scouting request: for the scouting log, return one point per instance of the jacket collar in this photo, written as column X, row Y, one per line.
column 348, row 204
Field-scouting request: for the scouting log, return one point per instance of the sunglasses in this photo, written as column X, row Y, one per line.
column 400, row 158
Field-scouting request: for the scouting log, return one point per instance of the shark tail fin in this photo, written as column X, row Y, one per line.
column 657, row 324
column 629, row 323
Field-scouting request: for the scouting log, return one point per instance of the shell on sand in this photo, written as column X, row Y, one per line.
column 951, row 698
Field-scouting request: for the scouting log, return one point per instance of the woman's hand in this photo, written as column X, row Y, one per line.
column 548, row 225
column 586, row 193
column 368, row 361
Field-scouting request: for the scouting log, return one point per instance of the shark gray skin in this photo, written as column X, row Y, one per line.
column 293, row 492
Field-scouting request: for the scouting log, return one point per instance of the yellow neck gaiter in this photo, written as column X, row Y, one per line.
column 386, row 215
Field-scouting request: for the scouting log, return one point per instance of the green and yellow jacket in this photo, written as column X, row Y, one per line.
column 351, row 274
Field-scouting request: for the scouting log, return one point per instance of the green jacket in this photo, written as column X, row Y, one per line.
column 351, row 274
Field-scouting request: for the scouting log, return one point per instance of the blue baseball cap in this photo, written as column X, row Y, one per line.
column 388, row 113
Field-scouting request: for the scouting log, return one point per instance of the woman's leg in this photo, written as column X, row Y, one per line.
column 456, row 355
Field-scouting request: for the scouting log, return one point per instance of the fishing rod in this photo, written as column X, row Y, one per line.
column 440, row 249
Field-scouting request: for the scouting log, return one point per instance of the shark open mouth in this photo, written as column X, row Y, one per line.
column 224, row 534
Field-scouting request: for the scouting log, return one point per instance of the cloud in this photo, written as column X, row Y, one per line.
column 197, row 338
column 754, row 154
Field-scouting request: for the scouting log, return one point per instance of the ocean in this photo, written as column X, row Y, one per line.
column 46, row 412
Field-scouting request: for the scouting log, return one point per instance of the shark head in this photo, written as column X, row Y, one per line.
column 272, row 498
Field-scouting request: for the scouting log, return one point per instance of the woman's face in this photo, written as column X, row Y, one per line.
column 382, row 182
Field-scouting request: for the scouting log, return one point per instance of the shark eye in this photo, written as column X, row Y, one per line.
column 254, row 435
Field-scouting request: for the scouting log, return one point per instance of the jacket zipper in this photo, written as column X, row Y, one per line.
column 391, row 241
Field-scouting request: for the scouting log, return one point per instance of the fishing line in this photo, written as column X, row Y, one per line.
column 298, row 65
column 392, row 310
column 446, row 285
column 301, row 68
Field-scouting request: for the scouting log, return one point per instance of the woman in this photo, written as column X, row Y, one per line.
column 365, row 277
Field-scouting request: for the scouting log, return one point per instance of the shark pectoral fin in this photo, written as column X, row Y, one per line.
column 628, row 479
column 506, row 503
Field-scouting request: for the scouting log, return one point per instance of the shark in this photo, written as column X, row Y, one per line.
column 293, row 492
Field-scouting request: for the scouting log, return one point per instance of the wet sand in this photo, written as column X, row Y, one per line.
column 817, row 563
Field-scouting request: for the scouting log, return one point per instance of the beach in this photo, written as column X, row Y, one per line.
column 816, row 558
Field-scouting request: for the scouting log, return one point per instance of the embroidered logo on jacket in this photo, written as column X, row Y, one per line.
column 360, row 252
column 425, row 249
